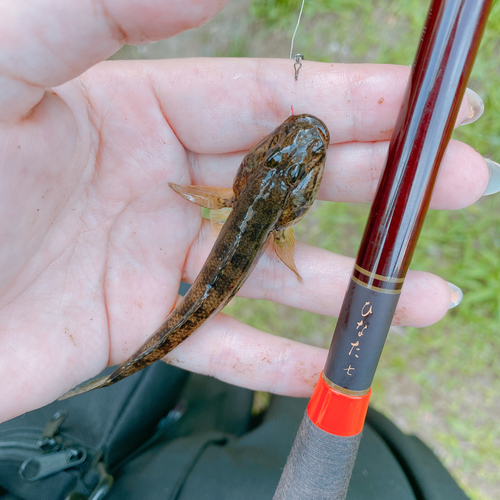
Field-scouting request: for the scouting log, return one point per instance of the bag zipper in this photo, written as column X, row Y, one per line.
column 43, row 456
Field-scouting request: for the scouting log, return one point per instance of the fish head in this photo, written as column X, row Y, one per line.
column 299, row 162
column 288, row 152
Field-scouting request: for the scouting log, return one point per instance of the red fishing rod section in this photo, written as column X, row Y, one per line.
column 322, row 457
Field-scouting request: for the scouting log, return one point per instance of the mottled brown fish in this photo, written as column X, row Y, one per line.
column 274, row 187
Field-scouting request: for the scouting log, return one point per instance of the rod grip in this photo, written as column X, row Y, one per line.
column 319, row 466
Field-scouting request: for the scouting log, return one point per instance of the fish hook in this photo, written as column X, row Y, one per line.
column 298, row 65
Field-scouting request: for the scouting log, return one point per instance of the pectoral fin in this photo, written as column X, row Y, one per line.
column 218, row 218
column 205, row 196
column 284, row 246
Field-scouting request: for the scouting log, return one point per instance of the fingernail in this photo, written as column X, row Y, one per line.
column 494, row 182
column 456, row 295
column 476, row 107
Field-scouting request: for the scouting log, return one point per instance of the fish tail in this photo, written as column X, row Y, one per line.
column 88, row 386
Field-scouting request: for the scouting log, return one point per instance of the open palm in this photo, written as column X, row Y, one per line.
column 94, row 243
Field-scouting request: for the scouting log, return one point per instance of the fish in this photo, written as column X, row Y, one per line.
column 274, row 187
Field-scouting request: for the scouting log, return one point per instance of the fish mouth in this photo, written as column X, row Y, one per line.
column 324, row 134
column 322, row 131
column 318, row 124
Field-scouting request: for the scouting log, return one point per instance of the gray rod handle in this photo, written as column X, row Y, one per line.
column 319, row 466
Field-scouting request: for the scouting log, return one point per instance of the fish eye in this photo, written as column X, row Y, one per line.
column 275, row 156
column 295, row 172
column 325, row 136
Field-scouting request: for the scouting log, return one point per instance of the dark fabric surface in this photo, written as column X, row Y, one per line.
column 428, row 477
column 110, row 423
column 215, row 459
column 216, row 450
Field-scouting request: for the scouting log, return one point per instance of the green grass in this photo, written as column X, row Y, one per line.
column 440, row 382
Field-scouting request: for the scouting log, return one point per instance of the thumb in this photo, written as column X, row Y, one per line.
column 44, row 43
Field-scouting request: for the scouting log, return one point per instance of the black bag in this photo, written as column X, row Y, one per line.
column 66, row 449
column 216, row 451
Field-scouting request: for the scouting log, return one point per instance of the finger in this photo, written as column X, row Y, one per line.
column 45, row 43
column 424, row 300
column 241, row 355
column 220, row 106
column 353, row 171
column 233, row 124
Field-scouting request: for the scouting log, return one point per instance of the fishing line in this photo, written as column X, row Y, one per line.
column 296, row 28
column 298, row 57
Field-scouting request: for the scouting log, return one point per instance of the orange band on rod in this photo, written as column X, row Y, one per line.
column 337, row 413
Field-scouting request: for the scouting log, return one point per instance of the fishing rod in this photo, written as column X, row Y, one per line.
column 322, row 457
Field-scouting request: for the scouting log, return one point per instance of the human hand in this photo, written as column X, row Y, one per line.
column 94, row 241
